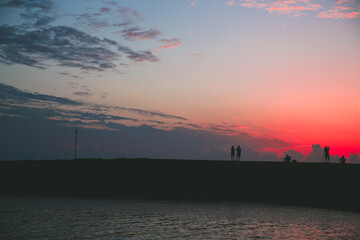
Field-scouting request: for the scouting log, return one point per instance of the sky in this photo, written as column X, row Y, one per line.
column 180, row 79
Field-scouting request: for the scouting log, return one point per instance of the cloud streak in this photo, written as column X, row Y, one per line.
column 136, row 34
column 29, row 104
column 344, row 9
column 169, row 43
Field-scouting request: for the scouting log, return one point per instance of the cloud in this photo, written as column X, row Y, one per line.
column 41, row 45
column 136, row 34
column 169, row 43
column 42, row 127
column 29, row 105
column 193, row 3
column 129, row 12
column 112, row 15
column 65, row 46
column 199, row 55
column 82, row 93
column 344, row 9
column 354, row 158
column 37, row 13
column 44, row 5
column 292, row 7
column 231, row 3
column 317, row 155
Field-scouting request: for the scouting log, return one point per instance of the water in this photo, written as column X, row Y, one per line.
column 57, row 218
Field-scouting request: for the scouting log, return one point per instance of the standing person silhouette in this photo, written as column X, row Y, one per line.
column 238, row 152
column 327, row 155
column 232, row 153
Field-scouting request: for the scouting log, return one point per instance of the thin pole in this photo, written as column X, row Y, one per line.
column 76, row 133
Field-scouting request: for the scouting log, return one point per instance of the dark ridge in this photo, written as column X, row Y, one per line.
column 333, row 186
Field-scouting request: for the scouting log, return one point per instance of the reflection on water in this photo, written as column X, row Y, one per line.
column 54, row 218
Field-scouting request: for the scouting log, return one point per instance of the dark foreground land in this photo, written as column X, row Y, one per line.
column 332, row 186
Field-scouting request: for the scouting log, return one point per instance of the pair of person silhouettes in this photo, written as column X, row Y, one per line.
column 238, row 153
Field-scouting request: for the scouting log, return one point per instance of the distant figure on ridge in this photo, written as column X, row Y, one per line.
column 326, row 154
column 287, row 159
column 342, row 159
column 232, row 153
column 238, row 152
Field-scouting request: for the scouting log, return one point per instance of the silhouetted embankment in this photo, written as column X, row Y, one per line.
column 309, row 184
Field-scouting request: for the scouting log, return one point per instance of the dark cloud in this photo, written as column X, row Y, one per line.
column 105, row 9
column 45, row 5
column 316, row 155
column 190, row 125
column 82, row 93
column 68, row 74
column 136, row 34
column 10, row 95
column 26, row 104
column 36, row 12
column 42, row 126
column 354, row 158
column 66, row 45
column 38, row 44
column 153, row 121
column 142, row 56
column 109, row 16
column 148, row 113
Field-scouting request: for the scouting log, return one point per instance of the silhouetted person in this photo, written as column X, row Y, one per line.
column 342, row 159
column 287, row 159
column 326, row 154
column 232, row 153
column 238, row 152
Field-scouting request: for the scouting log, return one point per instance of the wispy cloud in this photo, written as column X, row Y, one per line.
column 199, row 55
column 192, row 3
column 292, row 7
column 343, row 8
column 169, row 43
column 83, row 93
column 29, row 104
column 137, row 34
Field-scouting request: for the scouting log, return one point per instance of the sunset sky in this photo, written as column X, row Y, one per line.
column 179, row 79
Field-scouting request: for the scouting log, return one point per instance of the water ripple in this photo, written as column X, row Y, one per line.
column 54, row 218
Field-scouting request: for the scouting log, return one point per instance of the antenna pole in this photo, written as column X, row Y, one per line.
column 76, row 133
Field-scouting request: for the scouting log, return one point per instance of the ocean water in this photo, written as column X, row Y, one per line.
column 67, row 218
